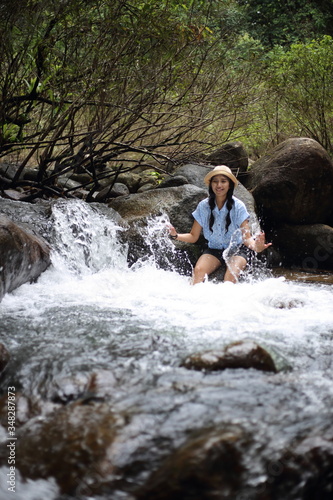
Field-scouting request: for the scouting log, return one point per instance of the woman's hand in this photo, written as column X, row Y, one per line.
column 172, row 230
column 260, row 243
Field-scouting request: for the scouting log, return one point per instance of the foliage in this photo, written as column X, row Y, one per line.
column 284, row 22
column 302, row 78
column 127, row 83
column 89, row 82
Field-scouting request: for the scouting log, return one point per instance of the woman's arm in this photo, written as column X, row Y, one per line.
column 258, row 243
column 190, row 237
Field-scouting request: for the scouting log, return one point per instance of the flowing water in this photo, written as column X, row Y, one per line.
column 89, row 311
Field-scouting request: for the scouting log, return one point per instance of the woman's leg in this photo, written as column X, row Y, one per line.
column 205, row 265
column 235, row 265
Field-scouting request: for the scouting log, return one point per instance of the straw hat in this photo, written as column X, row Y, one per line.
column 220, row 170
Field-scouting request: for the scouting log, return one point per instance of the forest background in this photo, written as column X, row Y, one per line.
column 149, row 83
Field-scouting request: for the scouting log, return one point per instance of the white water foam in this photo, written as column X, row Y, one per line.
column 90, row 269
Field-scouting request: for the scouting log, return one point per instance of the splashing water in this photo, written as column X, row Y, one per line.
column 90, row 311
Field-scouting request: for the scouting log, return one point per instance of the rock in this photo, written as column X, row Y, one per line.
column 13, row 194
column 177, row 201
column 242, row 354
column 145, row 187
column 307, row 246
column 23, row 256
column 81, row 178
column 30, row 174
column 131, row 180
column 32, row 217
column 65, row 183
column 84, row 387
column 150, row 177
column 194, row 173
column 304, row 470
column 26, row 407
column 293, row 184
column 8, row 169
column 4, row 357
column 207, row 466
column 232, row 154
column 118, row 189
column 177, row 180
column 70, row 445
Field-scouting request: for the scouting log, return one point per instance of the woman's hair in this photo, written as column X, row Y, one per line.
column 229, row 204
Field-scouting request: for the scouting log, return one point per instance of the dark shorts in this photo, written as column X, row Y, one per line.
column 241, row 251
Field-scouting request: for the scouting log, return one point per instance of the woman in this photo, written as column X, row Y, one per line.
column 224, row 220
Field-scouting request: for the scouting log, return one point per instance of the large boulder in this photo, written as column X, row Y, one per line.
column 309, row 247
column 178, row 202
column 194, row 173
column 233, row 154
column 23, row 256
column 293, row 183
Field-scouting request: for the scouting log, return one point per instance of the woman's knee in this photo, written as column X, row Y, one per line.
column 234, row 268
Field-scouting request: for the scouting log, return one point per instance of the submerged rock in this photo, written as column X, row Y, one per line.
column 207, row 466
column 4, row 357
column 304, row 470
column 70, row 445
column 23, row 256
column 242, row 354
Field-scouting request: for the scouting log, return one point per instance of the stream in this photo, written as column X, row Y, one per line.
column 91, row 312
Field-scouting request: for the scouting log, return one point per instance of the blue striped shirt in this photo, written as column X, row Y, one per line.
column 219, row 238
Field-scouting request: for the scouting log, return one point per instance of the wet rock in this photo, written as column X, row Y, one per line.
column 242, row 354
column 180, row 201
column 32, row 217
column 70, row 445
column 23, row 256
column 207, row 467
column 166, row 256
column 309, row 247
column 293, row 184
column 4, row 357
column 26, row 408
column 303, row 471
column 83, row 386
column 176, row 202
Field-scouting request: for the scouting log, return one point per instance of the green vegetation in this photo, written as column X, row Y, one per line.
column 127, row 83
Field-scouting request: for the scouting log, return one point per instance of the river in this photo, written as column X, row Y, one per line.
column 89, row 311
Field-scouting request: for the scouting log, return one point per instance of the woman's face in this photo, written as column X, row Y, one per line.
column 220, row 185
